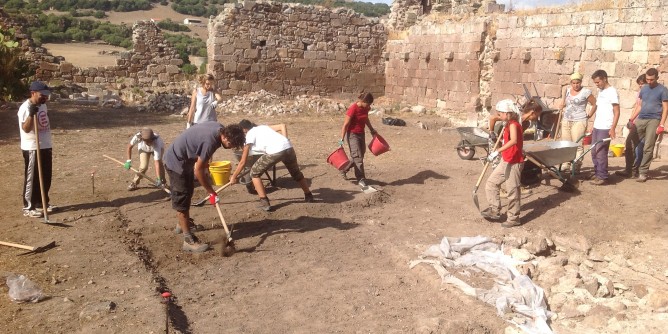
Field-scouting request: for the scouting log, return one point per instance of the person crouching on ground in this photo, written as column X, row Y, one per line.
column 276, row 147
column 606, row 116
column 148, row 142
column 509, row 169
column 357, row 117
column 188, row 158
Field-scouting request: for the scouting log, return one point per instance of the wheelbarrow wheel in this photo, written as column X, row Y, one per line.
column 464, row 151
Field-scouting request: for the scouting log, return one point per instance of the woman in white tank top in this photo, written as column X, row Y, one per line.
column 203, row 102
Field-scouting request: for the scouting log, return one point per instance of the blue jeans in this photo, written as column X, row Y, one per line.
column 599, row 154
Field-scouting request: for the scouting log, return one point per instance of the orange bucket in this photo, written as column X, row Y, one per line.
column 338, row 158
column 378, row 145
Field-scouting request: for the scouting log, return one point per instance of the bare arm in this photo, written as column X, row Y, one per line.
column 368, row 123
column 592, row 100
column 664, row 113
column 129, row 151
column 344, row 129
column 200, row 173
column 492, row 121
column 191, row 110
column 27, row 126
column 241, row 164
column 636, row 110
column 615, row 119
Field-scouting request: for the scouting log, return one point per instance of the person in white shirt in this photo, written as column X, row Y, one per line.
column 148, row 143
column 276, row 148
column 203, row 102
column 605, row 121
column 35, row 108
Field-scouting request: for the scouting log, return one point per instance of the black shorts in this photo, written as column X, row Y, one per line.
column 182, row 187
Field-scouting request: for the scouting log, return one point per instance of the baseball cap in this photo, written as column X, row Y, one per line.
column 507, row 105
column 42, row 88
column 146, row 133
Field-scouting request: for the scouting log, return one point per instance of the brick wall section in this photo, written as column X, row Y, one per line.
column 291, row 49
column 437, row 66
column 546, row 48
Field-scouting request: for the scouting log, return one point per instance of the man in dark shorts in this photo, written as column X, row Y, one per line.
column 188, row 158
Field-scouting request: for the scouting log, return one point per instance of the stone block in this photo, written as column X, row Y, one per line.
column 230, row 66
column 640, row 43
column 627, row 43
column 172, row 69
column 611, row 43
column 251, row 53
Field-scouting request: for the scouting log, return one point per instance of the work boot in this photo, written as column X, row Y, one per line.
column 511, row 223
column 490, row 214
column 264, row 204
column 635, row 173
column 308, row 197
column 642, row 178
column 191, row 225
column 33, row 213
column 362, row 183
column 192, row 245
column 132, row 186
column 49, row 208
column 599, row 182
column 624, row 173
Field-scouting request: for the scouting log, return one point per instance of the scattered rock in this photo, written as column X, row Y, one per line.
column 639, row 290
column 420, row 110
column 657, row 299
column 521, row 254
column 576, row 242
column 95, row 311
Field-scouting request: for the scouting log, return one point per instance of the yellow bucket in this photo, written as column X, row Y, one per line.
column 617, row 150
column 220, row 172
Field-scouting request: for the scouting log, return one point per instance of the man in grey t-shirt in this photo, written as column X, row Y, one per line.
column 188, row 158
column 651, row 117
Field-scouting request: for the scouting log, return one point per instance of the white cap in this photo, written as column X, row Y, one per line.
column 507, row 105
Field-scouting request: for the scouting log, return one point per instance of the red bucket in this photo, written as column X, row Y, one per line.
column 586, row 140
column 378, row 145
column 338, row 159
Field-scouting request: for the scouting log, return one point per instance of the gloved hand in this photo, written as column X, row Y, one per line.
column 127, row 164
column 33, row 109
column 629, row 124
column 493, row 137
column 659, row 130
column 340, row 142
column 492, row 156
column 158, row 182
column 213, row 199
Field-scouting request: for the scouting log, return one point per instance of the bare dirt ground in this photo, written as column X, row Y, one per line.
column 85, row 54
column 339, row 265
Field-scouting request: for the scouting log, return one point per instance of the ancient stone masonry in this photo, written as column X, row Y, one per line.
column 444, row 64
column 406, row 13
column 289, row 49
column 152, row 62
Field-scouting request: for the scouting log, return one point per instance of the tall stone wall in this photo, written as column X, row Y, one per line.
column 501, row 52
column 292, row 49
column 437, row 66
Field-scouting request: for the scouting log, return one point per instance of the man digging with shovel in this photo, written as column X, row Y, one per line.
column 34, row 109
column 188, row 158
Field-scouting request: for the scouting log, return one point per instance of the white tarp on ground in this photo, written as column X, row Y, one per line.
column 512, row 291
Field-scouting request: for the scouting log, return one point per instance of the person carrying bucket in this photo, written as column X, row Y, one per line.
column 275, row 147
column 634, row 145
column 188, row 158
column 509, row 169
column 357, row 118
column 148, row 143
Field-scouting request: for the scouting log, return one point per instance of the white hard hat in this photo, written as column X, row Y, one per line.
column 507, row 105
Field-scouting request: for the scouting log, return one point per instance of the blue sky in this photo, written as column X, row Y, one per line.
column 518, row 4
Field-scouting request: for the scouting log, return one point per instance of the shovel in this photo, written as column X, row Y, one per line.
column 228, row 243
column 484, row 170
column 32, row 249
column 139, row 173
column 41, row 177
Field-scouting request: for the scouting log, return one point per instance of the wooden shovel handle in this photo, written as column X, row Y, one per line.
column 10, row 244
column 138, row 172
column 222, row 219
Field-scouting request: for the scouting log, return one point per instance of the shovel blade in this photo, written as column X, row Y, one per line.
column 41, row 249
column 475, row 198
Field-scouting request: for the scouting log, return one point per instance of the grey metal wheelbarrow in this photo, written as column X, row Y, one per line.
column 550, row 155
column 472, row 137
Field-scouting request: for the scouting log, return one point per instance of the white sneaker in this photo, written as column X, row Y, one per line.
column 49, row 209
column 33, row 213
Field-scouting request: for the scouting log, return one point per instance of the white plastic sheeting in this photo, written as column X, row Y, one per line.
column 511, row 292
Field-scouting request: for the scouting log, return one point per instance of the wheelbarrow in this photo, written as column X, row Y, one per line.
column 472, row 137
column 550, row 155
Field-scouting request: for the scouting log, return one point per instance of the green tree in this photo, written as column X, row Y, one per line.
column 14, row 69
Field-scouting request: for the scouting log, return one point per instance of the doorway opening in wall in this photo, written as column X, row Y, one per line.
column 426, row 6
column 305, row 46
column 263, row 43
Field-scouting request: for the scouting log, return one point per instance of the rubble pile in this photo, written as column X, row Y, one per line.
column 268, row 104
column 164, row 103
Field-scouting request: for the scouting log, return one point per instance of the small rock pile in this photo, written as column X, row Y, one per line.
column 589, row 289
column 268, row 104
column 164, row 103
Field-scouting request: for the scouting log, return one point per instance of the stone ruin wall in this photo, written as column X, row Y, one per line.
column 489, row 58
column 406, row 13
column 289, row 50
column 151, row 63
